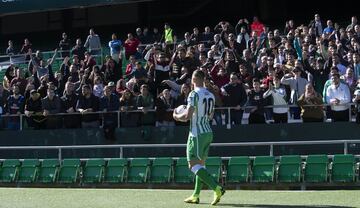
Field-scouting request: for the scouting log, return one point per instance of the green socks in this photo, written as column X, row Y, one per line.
column 206, row 178
column 198, row 186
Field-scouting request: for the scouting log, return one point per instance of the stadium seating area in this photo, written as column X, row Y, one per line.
column 237, row 170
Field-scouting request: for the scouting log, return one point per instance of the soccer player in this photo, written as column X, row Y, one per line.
column 200, row 110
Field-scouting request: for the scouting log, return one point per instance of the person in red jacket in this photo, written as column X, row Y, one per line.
column 257, row 26
column 131, row 44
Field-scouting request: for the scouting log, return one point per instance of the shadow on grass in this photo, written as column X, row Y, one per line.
column 281, row 206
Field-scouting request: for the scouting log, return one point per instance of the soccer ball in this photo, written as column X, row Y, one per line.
column 180, row 110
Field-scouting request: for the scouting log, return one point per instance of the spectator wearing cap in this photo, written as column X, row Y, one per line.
column 51, row 105
column 68, row 105
column 115, row 46
column 234, row 96
column 86, row 105
column 93, row 43
column 297, row 86
column 34, row 111
column 109, row 102
column 338, row 96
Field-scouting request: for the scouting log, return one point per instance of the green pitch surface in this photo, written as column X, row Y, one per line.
column 117, row 198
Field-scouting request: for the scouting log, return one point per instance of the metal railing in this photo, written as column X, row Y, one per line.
column 121, row 147
column 225, row 109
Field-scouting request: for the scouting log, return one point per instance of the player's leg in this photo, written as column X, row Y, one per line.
column 197, row 151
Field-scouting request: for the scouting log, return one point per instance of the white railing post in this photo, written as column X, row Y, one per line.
column 59, row 154
column 228, row 126
column 121, row 152
column 21, row 122
column 345, row 148
column 271, row 150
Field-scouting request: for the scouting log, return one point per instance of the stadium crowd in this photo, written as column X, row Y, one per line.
column 297, row 70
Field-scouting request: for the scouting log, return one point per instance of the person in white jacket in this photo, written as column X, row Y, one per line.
column 338, row 96
column 278, row 93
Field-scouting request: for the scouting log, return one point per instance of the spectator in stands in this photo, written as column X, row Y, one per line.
column 169, row 38
column 10, row 51
column 147, row 39
column 34, row 111
column 98, row 88
column 4, row 94
column 9, row 76
column 156, row 36
column 164, row 105
column 234, row 96
column 115, row 46
column 64, row 46
column 51, row 105
column 139, row 34
column 317, row 25
column 330, row 28
column 356, row 65
column 88, row 103
column 130, row 67
column 44, row 68
column 289, row 26
column 242, row 38
column 120, row 87
column 218, row 74
column 297, row 85
column 161, row 70
column 89, row 61
column 257, row 102
column 25, row 49
column 19, row 80
column 68, row 105
column 128, row 103
column 65, row 68
column 349, row 79
column 14, row 106
column 338, row 96
column 356, row 100
column 311, row 105
column 187, row 42
column 109, row 102
column 207, row 36
column 130, row 45
column 93, row 43
column 278, row 94
column 257, row 26
column 112, row 71
column 79, row 50
column 145, row 102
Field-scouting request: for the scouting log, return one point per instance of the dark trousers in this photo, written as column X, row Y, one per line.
column 311, row 120
column 280, row 117
column 295, row 112
column 255, row 118
column 340, row 115
column 235, row 116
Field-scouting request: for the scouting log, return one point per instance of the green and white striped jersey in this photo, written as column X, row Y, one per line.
column 203, row 102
